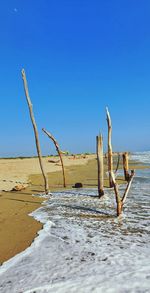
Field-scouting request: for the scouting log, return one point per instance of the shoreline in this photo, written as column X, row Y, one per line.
column 70, row 248
column 18, row 230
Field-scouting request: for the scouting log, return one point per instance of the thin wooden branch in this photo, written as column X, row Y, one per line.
column 35, row 130
column 110, row 154
column 100, row 165
column 118, row 162
column 117, row 196
column 128, row 187
column 59, row 153
column 126, row 166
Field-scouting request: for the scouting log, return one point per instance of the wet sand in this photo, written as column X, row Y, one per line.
column 17, row 229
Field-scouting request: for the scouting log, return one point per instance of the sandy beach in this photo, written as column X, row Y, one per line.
column 84, row 215
column 18, row 229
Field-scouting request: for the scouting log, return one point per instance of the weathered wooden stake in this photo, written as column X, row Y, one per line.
column 117, row 196
column 126, row 166
column 100, row 165
column 118, row 162
column 35, row 130
column 128, row 186
column 110, row 154
column 59, row 153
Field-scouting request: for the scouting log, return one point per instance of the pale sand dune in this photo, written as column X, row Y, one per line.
column 17, row 171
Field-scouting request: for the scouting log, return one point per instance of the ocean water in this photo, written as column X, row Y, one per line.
column 143, row 157
column 83, row 247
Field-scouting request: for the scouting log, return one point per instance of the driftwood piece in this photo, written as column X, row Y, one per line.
column 118, row 162
column 117, row 196
column 126, row 166
column 128, row 186
column 35, row 131
column 120, row 202
column 59, row 153
column 19, row 187
column 53, row 161
column 100, row 165
column 110, row 154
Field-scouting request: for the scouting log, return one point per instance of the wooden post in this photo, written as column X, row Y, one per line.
column 59, row 153
column 35, row 130
column 126, row 166
column 110, row 154
column 100, row 165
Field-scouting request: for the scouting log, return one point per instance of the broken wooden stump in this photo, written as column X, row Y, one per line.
column 126, row 166
column 110, row 154
column 100, row 165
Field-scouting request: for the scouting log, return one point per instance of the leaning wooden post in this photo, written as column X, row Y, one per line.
column 100, row 165
column 128, row 186
column 126, row 166
column 110, row 154
column 35, row 130
column 117, row 196
column 59, row 153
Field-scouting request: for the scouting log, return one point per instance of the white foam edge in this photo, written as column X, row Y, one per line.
column 61, row 287
column 41, row 217
column 43, row 195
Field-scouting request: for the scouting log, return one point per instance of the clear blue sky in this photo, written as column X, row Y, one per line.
column 79, row 56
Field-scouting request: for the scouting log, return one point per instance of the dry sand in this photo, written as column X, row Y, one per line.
column 16, row 171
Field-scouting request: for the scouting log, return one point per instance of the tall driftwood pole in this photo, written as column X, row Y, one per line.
column 35, row 130
column 59, row 153
column 126, row 166
column 100, row 165
column 110, row 154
